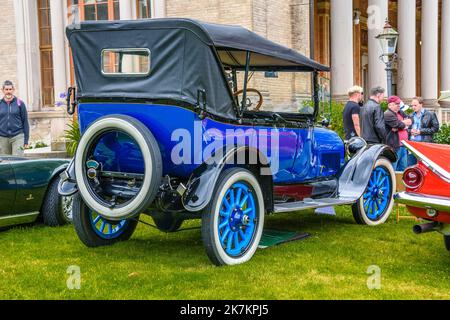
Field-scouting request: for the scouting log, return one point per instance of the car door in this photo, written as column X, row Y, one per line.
column 8, row 188
column 283, row 151
column 305, row 159
column 320, row 154
column 278, row 142
column 31, row 180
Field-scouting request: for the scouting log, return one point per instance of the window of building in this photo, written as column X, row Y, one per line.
column 92, row 10
column 46, row 53
column 96, row 9
column 144, row 10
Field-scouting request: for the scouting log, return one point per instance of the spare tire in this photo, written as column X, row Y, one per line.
column 106, row 132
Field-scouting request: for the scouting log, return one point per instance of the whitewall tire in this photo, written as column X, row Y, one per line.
column 377, row 201
column 151, row 158
column 232, row 223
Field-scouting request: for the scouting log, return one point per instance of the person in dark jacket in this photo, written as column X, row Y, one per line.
column 397, row 123
column 373, row 129
column 14, row 127
column 350, row 115
column 424, row 125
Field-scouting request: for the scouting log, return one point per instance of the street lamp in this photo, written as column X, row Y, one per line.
column 388, row 41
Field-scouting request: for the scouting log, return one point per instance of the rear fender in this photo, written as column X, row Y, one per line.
column 58, row 170
column 354, row 176
column 67, row 185
column 203, row 180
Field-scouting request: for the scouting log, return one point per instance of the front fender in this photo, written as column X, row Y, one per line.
column 354, row 176
column 203, row 180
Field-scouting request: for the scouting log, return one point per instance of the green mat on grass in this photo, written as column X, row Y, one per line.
column 272, row 238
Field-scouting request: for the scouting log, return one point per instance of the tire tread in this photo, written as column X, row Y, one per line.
column 52, row 212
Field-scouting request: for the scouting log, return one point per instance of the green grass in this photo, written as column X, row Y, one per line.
column 332, row 264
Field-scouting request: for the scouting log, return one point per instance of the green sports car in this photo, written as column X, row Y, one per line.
column 28, row 191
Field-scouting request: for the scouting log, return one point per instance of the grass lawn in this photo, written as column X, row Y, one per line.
column 332, row 264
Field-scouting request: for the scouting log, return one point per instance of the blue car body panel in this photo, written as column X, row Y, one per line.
column 304, row 153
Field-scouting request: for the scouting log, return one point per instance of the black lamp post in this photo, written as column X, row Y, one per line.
column 388, row 41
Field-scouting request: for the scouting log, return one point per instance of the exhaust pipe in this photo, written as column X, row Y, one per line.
column 426, row 227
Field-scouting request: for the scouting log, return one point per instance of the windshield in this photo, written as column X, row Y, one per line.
column 281, row 92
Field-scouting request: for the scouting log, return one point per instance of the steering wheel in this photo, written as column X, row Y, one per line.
column 260, row 101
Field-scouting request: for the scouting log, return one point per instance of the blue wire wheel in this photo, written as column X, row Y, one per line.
column 378, row 194
column 237, row 220
column 94, row 230
column 233, row 221
column 107, row 229
column 375, row 204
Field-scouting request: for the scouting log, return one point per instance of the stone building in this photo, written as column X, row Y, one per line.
column 345, row 32
column 35, row 54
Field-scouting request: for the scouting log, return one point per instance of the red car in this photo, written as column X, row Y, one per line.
column 427, row 194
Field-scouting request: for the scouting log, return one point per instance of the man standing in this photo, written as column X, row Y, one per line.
column 373, row 129
column 424, row 125
column 14, row 127
column 351, row 113
column 397, row 123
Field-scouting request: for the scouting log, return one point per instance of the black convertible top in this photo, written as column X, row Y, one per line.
column 186, row 56
column 235, row 40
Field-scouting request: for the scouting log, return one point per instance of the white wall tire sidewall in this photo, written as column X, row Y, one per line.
column 250, row 179
column 121, row 213
column 387, row 164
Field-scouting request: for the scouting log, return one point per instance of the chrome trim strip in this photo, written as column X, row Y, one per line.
column 424, row 202
column 11, row 220
column 437, row 169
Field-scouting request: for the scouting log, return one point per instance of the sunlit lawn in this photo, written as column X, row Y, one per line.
column 332, row 264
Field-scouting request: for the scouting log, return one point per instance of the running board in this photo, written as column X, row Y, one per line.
column 308, row 204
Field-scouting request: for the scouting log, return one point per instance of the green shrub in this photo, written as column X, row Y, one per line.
column 333, row 113
column 72, row 136
column 443, row 136
column 40, row 144
column 336, row 119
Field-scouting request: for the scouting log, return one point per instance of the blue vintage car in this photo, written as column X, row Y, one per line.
column 169, row 130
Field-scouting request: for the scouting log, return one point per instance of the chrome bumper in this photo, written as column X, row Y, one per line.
column 424, row 202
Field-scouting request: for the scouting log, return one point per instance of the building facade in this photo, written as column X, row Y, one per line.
column 345, row 33
column 341, row 33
